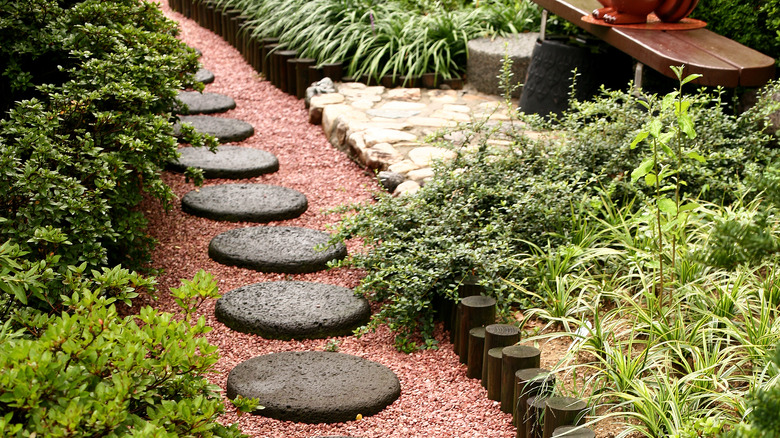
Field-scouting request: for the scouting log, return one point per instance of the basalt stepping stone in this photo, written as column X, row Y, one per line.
column 204, row 75
column 314, row 386
column 292, row 310
column 245, row 202
column 289, row 250
column 204, row 103
column 233, row 162
column 225, row 129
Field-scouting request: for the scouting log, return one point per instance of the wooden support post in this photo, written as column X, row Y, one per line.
column 302, row 76
column 473, row 311
column 514, row 358
column 216, row 24
column 476, row 346
column 281, row 68
column 497, row 335
column 292, row 78
column 562, row 411
column 264, row 61
column 528, row 383
column 333, row 71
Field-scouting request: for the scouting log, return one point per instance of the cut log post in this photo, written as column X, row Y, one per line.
column 315, row 74
column 514, row 358
column 268, row 62
column 281, row 72
column 474, row 311
column 468, row 287
column 562, row 411
column 476, row 346
column 494, row 373
column 534, row 416
column 498, row 335
column 333, row 71
column 302, row 76
column 528, row 383
column 265, row 61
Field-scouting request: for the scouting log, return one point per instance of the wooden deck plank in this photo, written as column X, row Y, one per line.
column 722, row 61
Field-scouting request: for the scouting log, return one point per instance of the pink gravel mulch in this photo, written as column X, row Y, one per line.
column 437, row 399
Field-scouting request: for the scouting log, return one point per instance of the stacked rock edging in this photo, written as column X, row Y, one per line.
column 292, row 310
column 314, row 386
column 245, row 202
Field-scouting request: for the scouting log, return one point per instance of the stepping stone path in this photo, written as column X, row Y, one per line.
column 293, row 310
column 314, row 386
column 225, row 129
column 310, row 387
column 289, row 250
column 231, row 162
column 245, row 202
column 204, row 103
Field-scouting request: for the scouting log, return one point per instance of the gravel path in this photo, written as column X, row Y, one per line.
column 437, row 399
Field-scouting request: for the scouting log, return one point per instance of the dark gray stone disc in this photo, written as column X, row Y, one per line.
column 292, row 310
column 314, row 386
column 289, row 250
column 225, row 129
column 245, row 202
column 205, row 76
column 234, row 162
column 204, row 103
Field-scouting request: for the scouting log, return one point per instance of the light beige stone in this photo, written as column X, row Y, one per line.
column 404, row 94
column 381, row 156
column 383, row 135
column 403, row 167
column 363, row 104
column 406, row 188
column 431, row 122
column 326, row 99
column 356, row 145
column 376, row 89
column 426, row 155
column 449, row 115
column 363, row 125
column 456, row 108
column 403, row 106
column 329, row 115
column 421, row 174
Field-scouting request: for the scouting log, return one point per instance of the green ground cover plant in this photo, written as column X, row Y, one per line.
column 397, row 38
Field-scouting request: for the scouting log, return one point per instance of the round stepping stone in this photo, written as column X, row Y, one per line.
column 205, row 76
column 234, row 162
column 314, row 386
column 292, row 310
column 245, row 202
column 225, row 129
column 288, row 250
column 204, row 103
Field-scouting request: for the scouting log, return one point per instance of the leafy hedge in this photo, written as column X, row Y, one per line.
column 485, row 210
column 76, row 156
column 89, row 372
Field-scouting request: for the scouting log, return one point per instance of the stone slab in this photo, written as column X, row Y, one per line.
column 233, row 162
column 245, row 202
column 289, row 250
column 225, row 129
column 204, row 103
column 314, row 386
column 204, row 75
column 293, row 310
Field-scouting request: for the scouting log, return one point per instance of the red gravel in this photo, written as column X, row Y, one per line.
column 437, row 399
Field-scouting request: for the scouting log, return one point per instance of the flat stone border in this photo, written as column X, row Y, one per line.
column 245, row 202
column 232, row 162
column 314, row 386
column 292, row 310
column 289, row 250
column 225, row 129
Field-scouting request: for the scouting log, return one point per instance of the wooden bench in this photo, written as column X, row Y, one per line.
column 720, row 60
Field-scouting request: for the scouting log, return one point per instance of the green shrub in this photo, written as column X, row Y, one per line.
column 82, row 370
column 762, row 421
column 76, row 160
column 754, row 23
column 483, row 212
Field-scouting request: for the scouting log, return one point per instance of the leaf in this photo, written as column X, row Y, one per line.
column 667, row 206
column 691, row 77
column 642, row 170
column 696, row 156
column 655, row 128
column 639, row 138
column 686, row 125
column 651, row 179
column 689, row 206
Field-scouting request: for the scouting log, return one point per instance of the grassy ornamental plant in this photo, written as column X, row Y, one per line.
column 396, row 38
